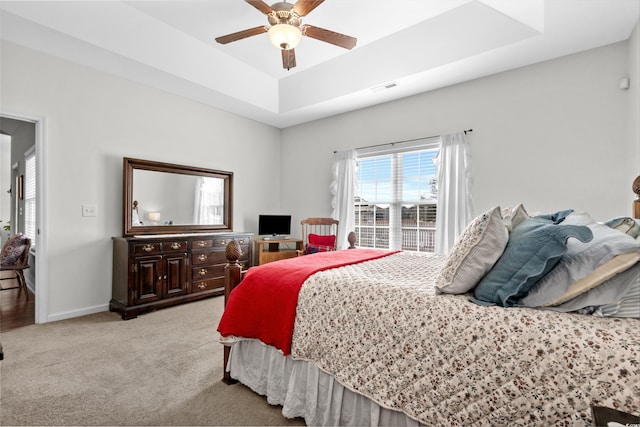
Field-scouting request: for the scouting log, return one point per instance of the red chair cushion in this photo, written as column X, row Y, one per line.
column 318, row 243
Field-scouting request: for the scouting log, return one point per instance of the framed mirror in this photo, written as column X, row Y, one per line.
column 164, row 198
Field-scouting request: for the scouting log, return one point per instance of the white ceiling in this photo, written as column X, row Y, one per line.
column 419, row 45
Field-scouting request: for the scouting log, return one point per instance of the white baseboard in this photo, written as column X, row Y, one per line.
column 77, row 313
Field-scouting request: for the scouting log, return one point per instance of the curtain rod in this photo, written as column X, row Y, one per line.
column 400, row 142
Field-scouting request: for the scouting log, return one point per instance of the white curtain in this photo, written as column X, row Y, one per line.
column 343, row 187
column 455, row 210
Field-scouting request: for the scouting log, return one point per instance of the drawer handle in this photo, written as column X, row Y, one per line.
column 201, row 285
column 241, row 241
column 203, row 272
column 223, row 242
column 148, row 248
column 202, row 257
column 175, row 246
column 201, row 244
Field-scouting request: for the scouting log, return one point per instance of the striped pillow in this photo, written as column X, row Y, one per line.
column 617, row 297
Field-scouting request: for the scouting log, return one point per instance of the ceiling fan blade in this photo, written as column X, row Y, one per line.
column 328, row 36
column 288, row 58
column 303, row 7
column 242, row 34
column 260, row 5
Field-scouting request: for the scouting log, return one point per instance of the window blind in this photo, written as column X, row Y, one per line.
column 30, row 195
column 396, row 196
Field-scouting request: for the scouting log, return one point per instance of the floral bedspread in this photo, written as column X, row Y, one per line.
column 443, row 360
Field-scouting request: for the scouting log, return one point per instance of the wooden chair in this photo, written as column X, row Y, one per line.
column 15, row 257
column 319, row 235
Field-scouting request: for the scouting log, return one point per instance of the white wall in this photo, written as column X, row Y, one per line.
column 552, row 135
column 93, row 120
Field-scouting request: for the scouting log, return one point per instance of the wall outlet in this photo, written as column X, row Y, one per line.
column 89, row 210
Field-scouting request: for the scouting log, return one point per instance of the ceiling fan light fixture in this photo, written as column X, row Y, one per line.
column 284, row 36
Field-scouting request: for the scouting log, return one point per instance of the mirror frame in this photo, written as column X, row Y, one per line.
column 130, row 164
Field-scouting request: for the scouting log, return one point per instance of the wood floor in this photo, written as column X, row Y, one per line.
column 15, row 310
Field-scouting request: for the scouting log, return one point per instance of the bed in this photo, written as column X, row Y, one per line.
column 529, row 320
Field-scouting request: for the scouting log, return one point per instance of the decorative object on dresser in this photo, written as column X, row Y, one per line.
column 159, row 271
column 636, row 203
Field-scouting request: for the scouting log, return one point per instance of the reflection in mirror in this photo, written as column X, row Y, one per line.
column 135, row 218
column 176, row 199
column 163, row 198
column 209, row 201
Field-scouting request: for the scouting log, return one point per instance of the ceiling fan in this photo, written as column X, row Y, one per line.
column 287, row 29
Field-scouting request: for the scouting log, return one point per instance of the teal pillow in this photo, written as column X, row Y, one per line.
column 535, row 246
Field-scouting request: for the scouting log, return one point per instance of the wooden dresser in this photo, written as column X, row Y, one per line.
column 153, row 272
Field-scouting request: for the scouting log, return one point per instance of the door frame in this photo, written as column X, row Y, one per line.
column 42, row 252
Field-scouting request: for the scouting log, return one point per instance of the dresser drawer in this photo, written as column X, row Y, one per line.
column 207, row 285
column 207, row 271
column 208, row 258
column 215, row 256
column 201, row 244
column 222, row 242
column 147, row 248
column 174, row 246
column 243, row 241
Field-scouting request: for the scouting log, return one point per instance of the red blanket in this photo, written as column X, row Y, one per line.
column 264, row 304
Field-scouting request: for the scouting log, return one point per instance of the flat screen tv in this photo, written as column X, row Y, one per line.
column 274, row 225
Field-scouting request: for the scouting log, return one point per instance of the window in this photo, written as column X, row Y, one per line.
column 209, row 207
column 396, row 197
column 30, row 195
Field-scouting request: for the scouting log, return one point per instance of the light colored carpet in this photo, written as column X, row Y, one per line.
column 163, row 368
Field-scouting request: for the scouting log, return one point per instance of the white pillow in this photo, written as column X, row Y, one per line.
column 515, row 216
column 580, row 261
column 474, row 253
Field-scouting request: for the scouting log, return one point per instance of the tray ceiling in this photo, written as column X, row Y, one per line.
column 404, row 47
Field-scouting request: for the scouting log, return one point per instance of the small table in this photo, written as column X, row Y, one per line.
column 270, row 250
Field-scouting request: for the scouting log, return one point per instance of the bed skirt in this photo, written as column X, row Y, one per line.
column 305, row 391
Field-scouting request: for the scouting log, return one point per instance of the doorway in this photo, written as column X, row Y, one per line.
column 25, row 215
